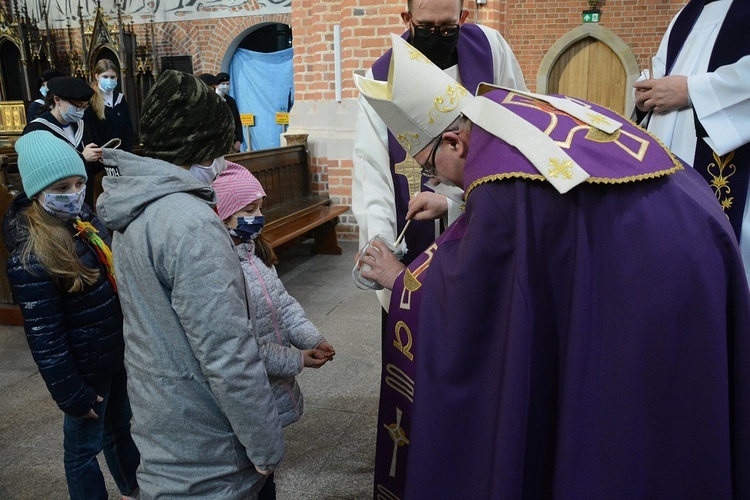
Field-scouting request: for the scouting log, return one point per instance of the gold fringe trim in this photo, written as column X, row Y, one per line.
column 590, row 180
column 676, row 164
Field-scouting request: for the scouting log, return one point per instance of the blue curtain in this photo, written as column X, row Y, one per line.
column 262, row 84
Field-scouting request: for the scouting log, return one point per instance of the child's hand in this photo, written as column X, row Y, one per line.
column 92, row 414
column 313, row 359
column 325, row 350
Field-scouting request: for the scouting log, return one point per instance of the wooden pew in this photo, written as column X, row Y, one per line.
column 291, row 210
column 10, row 187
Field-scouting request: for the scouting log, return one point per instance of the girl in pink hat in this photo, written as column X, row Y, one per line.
column 288, row 341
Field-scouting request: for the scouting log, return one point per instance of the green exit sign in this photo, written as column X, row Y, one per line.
column 591, row 16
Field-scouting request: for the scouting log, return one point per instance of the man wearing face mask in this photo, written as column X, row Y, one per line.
column 65, row 105
column 385, row 178
column 222, row 88
column 205, row 418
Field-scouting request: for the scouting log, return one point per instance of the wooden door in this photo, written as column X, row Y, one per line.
column 590, row 70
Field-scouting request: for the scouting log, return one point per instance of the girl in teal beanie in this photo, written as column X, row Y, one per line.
column 61, row 274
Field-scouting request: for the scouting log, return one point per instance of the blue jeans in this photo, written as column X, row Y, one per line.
column 268, row 491
column 84, row 438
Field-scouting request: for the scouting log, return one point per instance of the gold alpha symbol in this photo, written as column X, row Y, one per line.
column 561, row 167
column 399, row 439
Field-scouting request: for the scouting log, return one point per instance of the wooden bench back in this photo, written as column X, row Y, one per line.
column 284, row 174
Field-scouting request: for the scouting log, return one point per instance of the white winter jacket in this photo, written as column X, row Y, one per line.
column 283, row 331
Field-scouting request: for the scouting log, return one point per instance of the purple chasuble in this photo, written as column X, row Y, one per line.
column 631, row 153
column 475, row 65
column 397, row 378
column 586, row 345
column 728, row 175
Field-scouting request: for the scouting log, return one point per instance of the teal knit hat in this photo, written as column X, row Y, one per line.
column 44, row 159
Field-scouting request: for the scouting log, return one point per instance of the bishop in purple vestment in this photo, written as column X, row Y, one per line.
column 581, row 342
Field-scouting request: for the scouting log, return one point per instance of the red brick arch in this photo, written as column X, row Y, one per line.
column 208, row 40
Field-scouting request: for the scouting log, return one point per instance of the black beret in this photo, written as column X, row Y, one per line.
column 68, row 87
column 222, row 77
column 208, row 78
column 47, row 75
column 184, row 121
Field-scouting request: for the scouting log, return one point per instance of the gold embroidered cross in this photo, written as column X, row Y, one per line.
column 561, row 167
column 410, row 169
column 597, row 119
column 399, row 439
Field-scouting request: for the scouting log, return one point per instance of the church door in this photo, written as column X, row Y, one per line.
column 589, row 69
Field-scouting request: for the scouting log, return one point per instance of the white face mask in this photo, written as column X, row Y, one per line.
column 107, row 84
column 72, row 114
column 64, row 206
column 222, row 89
column 207, row 174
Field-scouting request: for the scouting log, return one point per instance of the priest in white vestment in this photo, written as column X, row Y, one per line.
column 685, row 90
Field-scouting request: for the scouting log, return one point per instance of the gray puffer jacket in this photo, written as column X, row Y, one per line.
column 203, row 410
column 282, row 327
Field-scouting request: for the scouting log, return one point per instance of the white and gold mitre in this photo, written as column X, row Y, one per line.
column 418, row 101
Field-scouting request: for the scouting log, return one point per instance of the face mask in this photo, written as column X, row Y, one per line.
column 248, row 228
column 72, row 113
column 208, row 173
column 43, row 90
column 107, row 84
column 437, row 48
column 222, row 89
column 64, row 206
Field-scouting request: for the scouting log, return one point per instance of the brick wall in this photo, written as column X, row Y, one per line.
column 534, row 26
column 530, row 26
column 206, row 40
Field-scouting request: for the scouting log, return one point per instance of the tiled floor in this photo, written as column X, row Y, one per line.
column 330, row 451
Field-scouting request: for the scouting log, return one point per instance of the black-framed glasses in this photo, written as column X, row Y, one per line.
column 428, row 169
column 425, row 31
column 77, row 104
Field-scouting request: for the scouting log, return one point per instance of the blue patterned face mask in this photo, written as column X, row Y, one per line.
column 248, row 228
column 64, row 206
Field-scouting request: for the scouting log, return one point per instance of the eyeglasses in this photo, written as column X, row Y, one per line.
column 425, row 31
column 428, row 169
column 78, row 104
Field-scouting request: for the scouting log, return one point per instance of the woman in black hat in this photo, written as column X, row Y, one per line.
column 65, row 104
column 41, row 83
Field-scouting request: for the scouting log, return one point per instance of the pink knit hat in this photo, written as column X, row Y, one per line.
column 235, row 188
